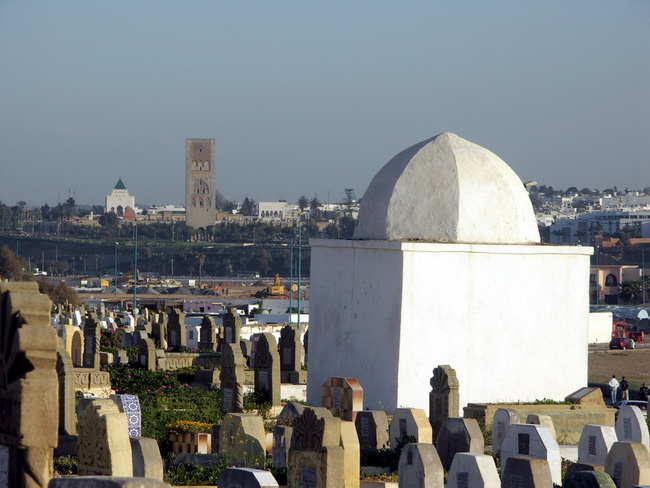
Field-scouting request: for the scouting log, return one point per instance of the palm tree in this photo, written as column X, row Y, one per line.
column 303, row 202
column 201, row 259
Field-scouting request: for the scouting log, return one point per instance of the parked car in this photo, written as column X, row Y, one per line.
column 643, row 406
column 622, row 343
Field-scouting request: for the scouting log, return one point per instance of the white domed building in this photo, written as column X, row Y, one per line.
column 446, row 267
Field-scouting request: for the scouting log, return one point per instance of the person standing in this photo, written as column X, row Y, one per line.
column 644, row 391
column 613, row 386
column 625, row 393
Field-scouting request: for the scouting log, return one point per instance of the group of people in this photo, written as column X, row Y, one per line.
column 614, row 385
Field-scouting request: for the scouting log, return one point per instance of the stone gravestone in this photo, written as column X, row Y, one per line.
column 343, row 396
column 533, row 441
column 458, row 435
column 267, row 369
column 588, row 479
column 176, row 329
column 245, row 477
column 628, row 463
column 420, row 467
column 525, row 472
column 543, row 420
column 631, row 425
column 147, row 354
column 281, row 443
column 316, row 458
column 147, row 461
column 104, row 447
column 28, row 375
column 159, row 330
column 130, row 405
column 92, row 338
column 232, row 326
column 410, row 424
column 65, row 371
column 595, row 443
column 444, row 399
column 291, row 353
column 208, row 334
column 232, row 379
column 242, row 439
column 372, row 429
column 501, row 422
column 470, row 470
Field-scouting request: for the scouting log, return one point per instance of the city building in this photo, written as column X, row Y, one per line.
column 119, row 200
column 200, row 183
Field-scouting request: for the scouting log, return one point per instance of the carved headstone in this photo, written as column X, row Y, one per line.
column 595, row 443
column 208, row 334
column 473, row 471
column 104, row 447
column 501, row 422
column 291, row 353
column 159, row 330
column 65, row 371
column 458, row 435
column 281, row 443
column 242, row 439
column 420, row 466
column 28, row 375
column 316, row 458
column 147, row 354
column 372, row 429
column 232, row 326
column 92, row 339
column 176, row 329
column 267, row 369
column 343, row 396
column 533, row 441
column 628, row 463
column 525, row 472
column 232, row 379
column 631, row 425
column 444, row 399
column 410, row 425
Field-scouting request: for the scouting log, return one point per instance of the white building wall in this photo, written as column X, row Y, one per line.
column 600, row 327
column 511, row 319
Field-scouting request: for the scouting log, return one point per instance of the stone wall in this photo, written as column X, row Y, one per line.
column 177, row 360
column 567, row 419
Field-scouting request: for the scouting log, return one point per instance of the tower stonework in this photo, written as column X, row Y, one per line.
column 200, row 183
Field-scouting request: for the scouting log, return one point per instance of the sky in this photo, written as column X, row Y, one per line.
column 313, row 97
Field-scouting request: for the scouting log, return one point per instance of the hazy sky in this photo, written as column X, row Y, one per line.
column 310, row 97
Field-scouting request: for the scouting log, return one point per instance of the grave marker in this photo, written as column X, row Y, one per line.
column 343, row 396
column 28, row 425
column 473, row 470
column 372, row 429
column 628, row 463
column 631, row 425
column 420, row 466
column 267, row 369
column 458, row 435
column 595, row 443
column 232, row 379
column 533, row 441
column 444, row 399
column 410, row 423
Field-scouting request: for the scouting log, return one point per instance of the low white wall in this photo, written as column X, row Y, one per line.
column 512, row 320
column 600, row 327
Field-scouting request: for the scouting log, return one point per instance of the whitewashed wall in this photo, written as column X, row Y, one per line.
column 511, row 319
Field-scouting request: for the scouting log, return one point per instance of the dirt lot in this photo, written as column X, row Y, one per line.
column 633, row 364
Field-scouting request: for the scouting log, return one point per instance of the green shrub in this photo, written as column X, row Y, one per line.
column 65, row 465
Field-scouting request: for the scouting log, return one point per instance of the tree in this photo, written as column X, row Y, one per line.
column 303, row 202
column 70, row 208
column 248, row 206
column 350, row 199
column 314, row 206
column 201, row 260
column 12, row 267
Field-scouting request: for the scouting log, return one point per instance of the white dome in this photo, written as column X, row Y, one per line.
column 447, row 189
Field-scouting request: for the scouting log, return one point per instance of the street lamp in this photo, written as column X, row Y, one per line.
column 116, row 270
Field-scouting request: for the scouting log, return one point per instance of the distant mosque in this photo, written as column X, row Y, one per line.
column 120, row 202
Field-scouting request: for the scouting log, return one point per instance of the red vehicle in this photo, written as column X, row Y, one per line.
column 627, row 331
